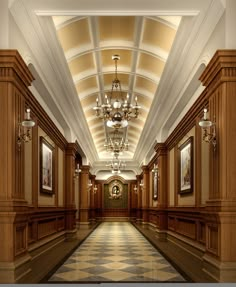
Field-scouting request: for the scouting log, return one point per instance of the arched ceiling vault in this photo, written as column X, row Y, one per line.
column 143, row 44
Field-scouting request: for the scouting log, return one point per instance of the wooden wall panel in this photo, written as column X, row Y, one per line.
column 115, row 212
column 186, row 227
column 212, row 239
column 46, row 227
column 202, row 232
column 20, row 239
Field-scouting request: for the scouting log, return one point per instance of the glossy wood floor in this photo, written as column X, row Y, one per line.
column 116, row 252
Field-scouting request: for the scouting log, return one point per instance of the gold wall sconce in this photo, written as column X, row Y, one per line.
column 155, row 170
column 209, row 130
column 135, row 189
column 142, row 187
column 95, row 188
column 24, row 129
column 90, row 185
column 77, row 171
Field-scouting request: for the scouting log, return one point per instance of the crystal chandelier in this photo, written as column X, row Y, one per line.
column 116, row 166
column 116, row 112
column 116, row 144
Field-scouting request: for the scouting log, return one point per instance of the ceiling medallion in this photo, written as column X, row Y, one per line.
column 117, row 112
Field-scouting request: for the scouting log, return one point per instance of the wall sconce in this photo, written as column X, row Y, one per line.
column 89, row 185
column 77, row 171
column 135, row 189
column 155, row 170
column 206, row 124
column 95, row 189
column 25, row 134
column 141, row 185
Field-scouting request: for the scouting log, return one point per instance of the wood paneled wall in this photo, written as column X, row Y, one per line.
column 204, row 219
column 26, row 220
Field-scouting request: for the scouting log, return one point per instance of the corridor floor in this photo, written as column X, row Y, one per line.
column 116, row 252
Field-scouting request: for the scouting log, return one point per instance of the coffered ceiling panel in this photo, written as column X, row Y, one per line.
column 145, row 86
column 86, row 86
column 82, row 65
column 74, row 34
column 124, row 63
column 143, row 44
column 150, row 65
column 162, row 35
column 116, row 28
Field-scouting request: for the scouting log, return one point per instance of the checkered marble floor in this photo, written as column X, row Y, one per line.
column 116, row 251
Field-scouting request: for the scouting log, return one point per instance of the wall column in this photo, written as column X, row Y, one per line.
column 145, row 194
column 14, row 81
column 92, row 198
column 139, row 200
column 219, row 78
column 84, row 196
column 70, row 190
column 161, row 151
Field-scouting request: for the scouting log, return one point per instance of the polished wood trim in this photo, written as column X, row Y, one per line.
column 13, row 68
column 198, row 162
column 35, row 165
column 221, row 68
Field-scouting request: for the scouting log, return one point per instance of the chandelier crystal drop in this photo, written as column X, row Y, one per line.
column 116, row 144
column 116, row 166
column 116, row 110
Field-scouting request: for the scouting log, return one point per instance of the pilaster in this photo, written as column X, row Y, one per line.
column 70, row 190
column 161, row 151
column 92, row 198
column 145, row 194
column 84, row 196
column 139, row 200
column 219, row 78
column 161, row 154
column 14, row 81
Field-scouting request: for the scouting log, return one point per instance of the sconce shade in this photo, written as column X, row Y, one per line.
column 28, row 123
column 205, row 123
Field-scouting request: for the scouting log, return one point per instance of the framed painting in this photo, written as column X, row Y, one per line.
column 186, row 167
column 46, row 167
column 155, row 185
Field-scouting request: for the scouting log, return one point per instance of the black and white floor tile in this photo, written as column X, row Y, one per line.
column 116, row 251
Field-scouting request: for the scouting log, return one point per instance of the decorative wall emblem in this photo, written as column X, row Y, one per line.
column 115, row 190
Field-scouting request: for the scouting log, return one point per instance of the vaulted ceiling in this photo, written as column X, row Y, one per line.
column 143, row 44
column 68, row 44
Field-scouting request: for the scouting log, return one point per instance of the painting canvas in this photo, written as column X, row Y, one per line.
column 46, row 166
column 186, row 166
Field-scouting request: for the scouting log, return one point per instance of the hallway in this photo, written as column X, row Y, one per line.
column 116, row 251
